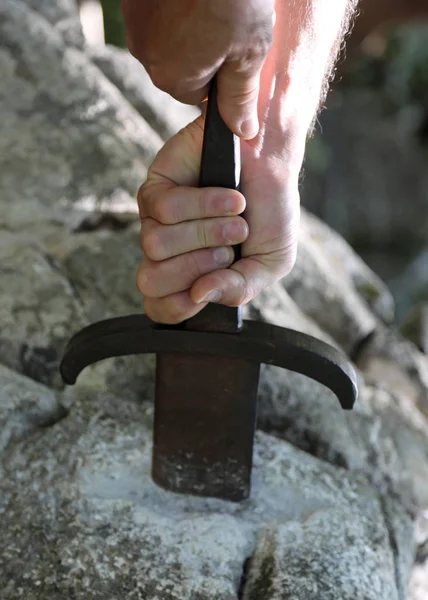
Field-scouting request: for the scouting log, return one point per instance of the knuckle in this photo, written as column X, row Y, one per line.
column 194, row 267
column 175, row 311
column 152, row 311
column 246, row 293
column 144, row 285
column 151, row 244
column 162, row 211
column 142, row 200
column 202, row 234
column 164, row 79
column 202, row 200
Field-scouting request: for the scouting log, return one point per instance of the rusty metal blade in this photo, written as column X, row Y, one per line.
column 205, row 413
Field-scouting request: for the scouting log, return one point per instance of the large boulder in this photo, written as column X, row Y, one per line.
column 334, row 494
column 81, row 516
column 164, row 114
column 68, row 135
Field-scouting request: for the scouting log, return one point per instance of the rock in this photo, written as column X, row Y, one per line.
column 410, row 286
column 385, row 436
column 64, row 16
column 160, row 110
column 349, row 266
column 418, row 588
column 389, row 361
column 95, row 524
column 318, row 287
column 52, row 288
column 39, row 309
column 274, row 305
column 294, row 561
column 415, row 326
column 24, row 407
column 69, row 136
column 80, row 515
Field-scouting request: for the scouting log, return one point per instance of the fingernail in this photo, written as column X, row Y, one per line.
column 249, row 128
column 234, row 233
column 221, row 256
column 212, row 296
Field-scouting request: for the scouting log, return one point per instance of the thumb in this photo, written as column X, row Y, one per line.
column 237, row 96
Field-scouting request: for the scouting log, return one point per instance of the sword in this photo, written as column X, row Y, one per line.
column 207, row 368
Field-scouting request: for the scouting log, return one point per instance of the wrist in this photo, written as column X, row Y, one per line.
column 305, row 46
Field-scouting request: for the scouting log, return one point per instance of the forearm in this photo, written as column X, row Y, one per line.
column 307, row 38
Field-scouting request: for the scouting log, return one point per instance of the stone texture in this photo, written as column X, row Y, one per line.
column 410, row 286
column 415, row 326
column 80, row 515
column 418, row 588
column 165, row 115
column 385, row 436
column 24, row 407
column 318, row 287
column 96, row 525
column 68, row 135
column 349, row 266
column 52, row 288
column 394, row 363
column 64, row 16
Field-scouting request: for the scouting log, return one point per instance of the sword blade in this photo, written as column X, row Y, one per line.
column 205, row 414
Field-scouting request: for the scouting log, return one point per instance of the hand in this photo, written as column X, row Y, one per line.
column 182, row 44
column 183, row 228
column 187, row 233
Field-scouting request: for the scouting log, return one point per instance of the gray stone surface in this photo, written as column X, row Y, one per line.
column 349, row 266
column 394, row 363
column 415, row 326
column 318, row 287
column 64, row 16
column 53, row 287
column 25, row 406
column 165, row 115
column 385, row 436
column 68, row 135
column 96, row 526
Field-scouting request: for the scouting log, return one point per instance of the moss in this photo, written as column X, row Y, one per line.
column 262, row 588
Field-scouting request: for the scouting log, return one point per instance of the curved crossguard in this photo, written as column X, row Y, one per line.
column 208, row 367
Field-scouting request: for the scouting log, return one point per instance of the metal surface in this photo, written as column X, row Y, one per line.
column 208, row 367
column 205, row 405
column 256, row 342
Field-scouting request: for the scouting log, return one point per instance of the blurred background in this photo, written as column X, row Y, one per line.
column 365, row 172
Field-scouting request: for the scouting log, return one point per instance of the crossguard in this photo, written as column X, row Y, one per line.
column 256, row 342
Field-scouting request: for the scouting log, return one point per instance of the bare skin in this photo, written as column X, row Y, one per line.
column 187, row 233
column 184, row 43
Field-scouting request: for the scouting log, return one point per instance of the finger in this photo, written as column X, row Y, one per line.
column 238, row 92
column 244, row 280
column 170, row 204
column 172, row 309
column 185, row 88
column 160, row 242
column 158, row 279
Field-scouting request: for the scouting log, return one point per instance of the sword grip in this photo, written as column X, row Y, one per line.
column 221, row 155
column 220, row 167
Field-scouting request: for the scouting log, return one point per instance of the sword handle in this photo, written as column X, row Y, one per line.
column 220, row 167
column 221, row 152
